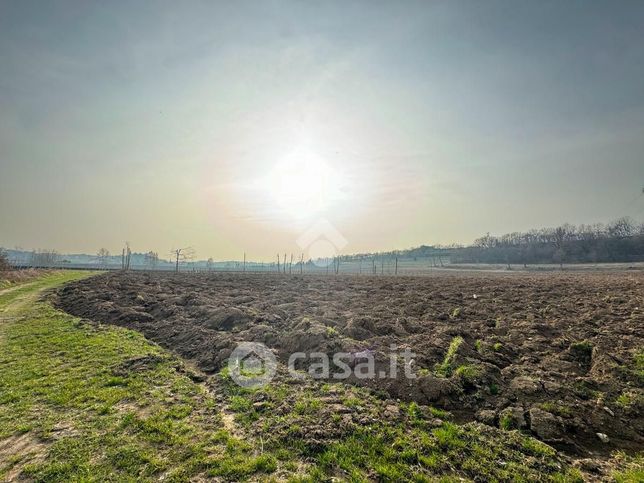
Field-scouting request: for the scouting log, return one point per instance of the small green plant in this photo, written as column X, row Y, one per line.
column 455, row 313
column 628, row 399
column 638, row 360
column 307, row 405
column 444, row 369
column 352, row 402
column 468, row 373
column 240, row 404
column 414, row 411
column 537, row 448
column 582, row 350
column 494, row 389
column 557, row 409
column 449, row 435
column 506, row 422
column 631, row 467
column 497, row 347
column 331, row 332
column 439, row 413
column 478, row 346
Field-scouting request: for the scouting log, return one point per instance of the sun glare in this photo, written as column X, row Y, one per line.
column 303, row 184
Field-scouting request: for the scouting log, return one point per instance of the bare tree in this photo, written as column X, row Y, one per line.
column 151, row 260
column 209, row 264
column 4, row 260
column 622, row 228
column 126, row 255
column 103, row 256
column 44, row 258
column 182, row 255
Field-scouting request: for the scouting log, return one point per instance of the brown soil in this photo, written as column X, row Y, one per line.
column 548, row 353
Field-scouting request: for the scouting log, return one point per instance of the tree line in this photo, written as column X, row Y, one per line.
column 619, row 241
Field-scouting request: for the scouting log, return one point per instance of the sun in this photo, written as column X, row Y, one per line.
column 303, row 184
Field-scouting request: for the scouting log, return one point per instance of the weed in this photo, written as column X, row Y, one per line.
column 352, row 402
column 478, row 346
column 631, row 468
column 557, row 409
column 628, row 399
column 240, row 404
column 439, row 413
column 444, row 369
column 307, row 405
column 506, row 422
column 331, row 332
column 468, row 373
column 537, row 448
column 582, row 350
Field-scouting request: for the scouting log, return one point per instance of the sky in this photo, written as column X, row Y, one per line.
column 264, row 126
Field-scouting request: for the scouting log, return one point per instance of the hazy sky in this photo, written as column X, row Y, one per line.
column 233, row 126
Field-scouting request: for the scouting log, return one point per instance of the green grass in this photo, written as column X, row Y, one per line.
column 507, row 422
column 631, row 468
column 467, row 373
column 461, row 452
column 558, row 409
column 57, row 387
column 638, row 363
column 629, row 398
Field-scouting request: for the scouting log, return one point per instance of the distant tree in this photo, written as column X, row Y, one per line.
column 126, row 255
column 4, row 260
column 182, row 255
column 622, row 228
column 44, row 258
column 151, row 260
column 210, row 264
column 103, row 256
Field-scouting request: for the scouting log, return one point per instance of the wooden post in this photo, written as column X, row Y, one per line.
column 278, row 263
column 396, row 272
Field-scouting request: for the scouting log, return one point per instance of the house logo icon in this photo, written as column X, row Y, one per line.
column 322, row 241
column 252, row 365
